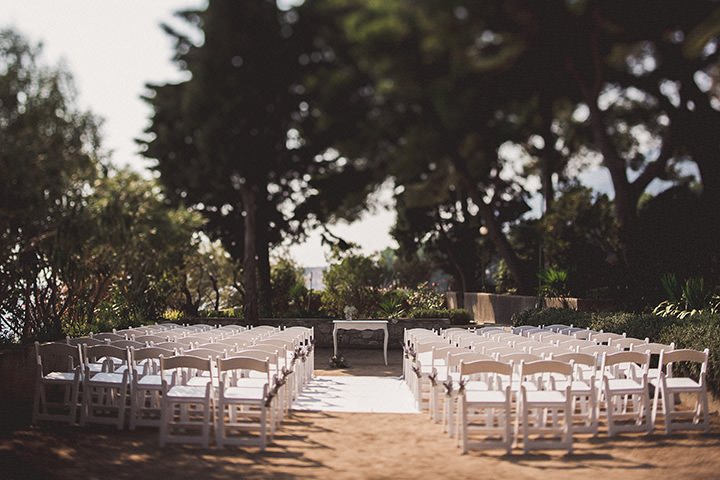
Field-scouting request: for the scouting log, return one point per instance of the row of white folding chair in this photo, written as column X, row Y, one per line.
column 233, row 403
column 146, row 395
column 417, row 381
column 488, row 411
column 421, row 371
column 147, row 384
column 411, row 337
column 585, row 389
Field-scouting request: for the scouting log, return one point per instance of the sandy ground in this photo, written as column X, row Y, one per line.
column 347, row 446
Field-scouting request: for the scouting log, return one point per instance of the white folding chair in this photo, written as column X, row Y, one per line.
column 654, row 349
column 244, row 406
column 625, row 392
column 556, row 327
column 111, row 336
column 186, row 409
column 667, row 385
column 146, row 386
column 584, row 390
column 439, row 365
column 57, row 382
column 606, row 337
column 279, row 369
column 545, row 405
column 424, row 378
column 484, row 412
column 451, row 382
column 89, row 341
column 628, row 343
column 105, row 393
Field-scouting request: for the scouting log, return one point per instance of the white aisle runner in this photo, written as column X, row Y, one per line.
column 356, row 394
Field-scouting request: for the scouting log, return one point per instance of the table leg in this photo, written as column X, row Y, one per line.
column 335, row 340
column 385, row 345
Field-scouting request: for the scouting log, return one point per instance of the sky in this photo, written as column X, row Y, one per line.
column 113, row 48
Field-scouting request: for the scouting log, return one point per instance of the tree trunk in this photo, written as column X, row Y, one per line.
column 263, row 256
column 250, row 264
column 495, row 233
column 216, row 289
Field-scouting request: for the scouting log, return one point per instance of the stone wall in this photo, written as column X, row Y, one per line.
column 17, row 376
column 346, row 338
column 493, row 308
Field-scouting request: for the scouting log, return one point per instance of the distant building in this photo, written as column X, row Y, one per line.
column 314, row 277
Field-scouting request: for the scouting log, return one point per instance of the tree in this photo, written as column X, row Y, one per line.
column 222, row 139
column 459, row 93
column 139, row 250
column 48, row 158
column 579, row 237
column 354, row 280
column 289, row 292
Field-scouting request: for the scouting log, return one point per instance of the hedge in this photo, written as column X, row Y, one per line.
column 457, row 316
column 696, row 332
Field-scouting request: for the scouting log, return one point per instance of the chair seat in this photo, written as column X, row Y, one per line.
column 485, row 397
column 244, row 393
column 59, row 377
column 625, row 385
column 95, row 367
column 545, row 397
column 577, row 387
column 252, row 382
column 107, row 378
column 681, row 384
column 187, row 391
column 201, row 381
column 152, row 380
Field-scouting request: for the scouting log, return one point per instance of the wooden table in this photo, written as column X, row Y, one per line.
column 361, row 325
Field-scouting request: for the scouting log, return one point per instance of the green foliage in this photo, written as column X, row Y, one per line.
column 579, row 238
column 425, row 296
column 690, row 298
column 392, row 304
column 354, row 280
column 553, row 283
column 550, row 316
column 48, row 162
column 288, row 291
column 82, row 247
column 223, row 313
column 676, row 223
column 172, row 315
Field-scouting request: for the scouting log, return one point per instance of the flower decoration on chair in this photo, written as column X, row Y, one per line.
column 272, row 393
column 337, row 361
column 448, row 384
column 409, row 352
column 433, row 378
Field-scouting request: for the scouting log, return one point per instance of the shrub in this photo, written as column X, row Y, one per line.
column 457, row 316
column 425, row 296
column 549, row 316
column 236, row 312
column 392, row 304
